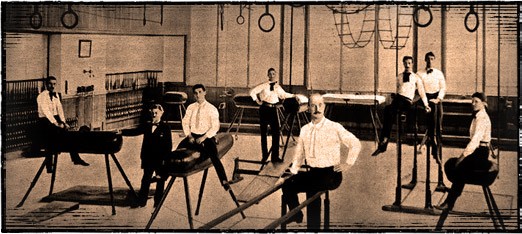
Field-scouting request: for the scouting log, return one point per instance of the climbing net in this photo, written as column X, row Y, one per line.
column 390, row 37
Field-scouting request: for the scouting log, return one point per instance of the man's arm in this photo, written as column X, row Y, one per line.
column 214, row 119
column 354, row 146
column 185, row 122
column 256, row 90
column 442, row 85
column 298, row 156
column 422, row 93
column 282, row 94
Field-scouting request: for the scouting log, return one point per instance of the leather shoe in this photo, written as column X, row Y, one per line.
column 444, row 206
column 276, row 160
column 81, row 162
column 157, row 178
column 225, row 185
column 298, row 218
column 381, row 148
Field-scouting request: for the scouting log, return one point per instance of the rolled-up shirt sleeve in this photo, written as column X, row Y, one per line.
column 353, row 144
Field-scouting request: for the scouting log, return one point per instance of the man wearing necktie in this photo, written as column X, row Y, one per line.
column 51, row 123
column 200, row 125
column 319, row 145
column 435, row 87
column 268, row 95
column 407, row 83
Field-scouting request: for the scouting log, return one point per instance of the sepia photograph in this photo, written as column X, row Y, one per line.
column 260, row 116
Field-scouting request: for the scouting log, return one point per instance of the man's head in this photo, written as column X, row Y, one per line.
column 316, row 106
column 407, row 61
column 50, row 83
column 272, row 74
column 429, row 58
column 199, row 92
column 156, row 111
column 478, row 101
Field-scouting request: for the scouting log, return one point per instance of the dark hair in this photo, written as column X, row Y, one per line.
column 406, row 58
column 429, row 54
column 198, row 86
column 49, row 78
column 270, row 69
column 156, row 106
column 480, row 96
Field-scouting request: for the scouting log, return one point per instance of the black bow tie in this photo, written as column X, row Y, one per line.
column 406, row 77
column 155, row 124
column 52, row 94
column 429, row 71
column 474, row 114
column 272, row 86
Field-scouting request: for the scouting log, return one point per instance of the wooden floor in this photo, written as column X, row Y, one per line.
column 355, row 205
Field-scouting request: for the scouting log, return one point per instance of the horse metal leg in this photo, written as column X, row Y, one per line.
column 109, row 178
column 158, row 207
column 201, row 188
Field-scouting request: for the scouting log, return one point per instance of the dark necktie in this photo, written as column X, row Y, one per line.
column 272, row 86
column 51, row 95
column 429, row 70
column 406, row 77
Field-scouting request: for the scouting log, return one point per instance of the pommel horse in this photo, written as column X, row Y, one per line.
column 183, row 163
column 95, row 142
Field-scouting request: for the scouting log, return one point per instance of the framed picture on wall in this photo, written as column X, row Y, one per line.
column 84, row 49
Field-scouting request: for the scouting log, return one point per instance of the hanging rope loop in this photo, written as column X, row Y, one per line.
column 466, row 20
column 416, row 14
column 266, row 14
column 35, row 20
column 240, row 19
column 69, row 11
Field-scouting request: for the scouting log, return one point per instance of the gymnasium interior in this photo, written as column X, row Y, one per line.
column 113, row 60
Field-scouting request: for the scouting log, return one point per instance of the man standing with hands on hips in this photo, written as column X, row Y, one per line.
column 268, row 95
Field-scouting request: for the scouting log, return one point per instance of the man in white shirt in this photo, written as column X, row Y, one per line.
column 268, row 95
column 475, row 155
column 51, row 123
column 407, row 83
column 200, row 125
column 319, row 144
column 435, row 87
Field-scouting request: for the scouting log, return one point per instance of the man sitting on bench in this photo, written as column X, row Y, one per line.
column 200, row 125
column 319, row 144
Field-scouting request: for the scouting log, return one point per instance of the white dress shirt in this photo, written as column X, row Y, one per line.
column 48, row 108
column 268, row 96
column 208, row 123
column 407, row 89
column 479, row 131
column 320, row 145
column 433, row 82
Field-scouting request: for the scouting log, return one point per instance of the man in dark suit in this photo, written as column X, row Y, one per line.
column 157, row 143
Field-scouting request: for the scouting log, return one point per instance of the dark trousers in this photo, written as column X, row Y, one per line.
column 208, row 148
column 145, row 186
column 399, row 103
column 268, row 116
column 48, row 138
column 311, row 182
column 478, row 160
column 434, row 118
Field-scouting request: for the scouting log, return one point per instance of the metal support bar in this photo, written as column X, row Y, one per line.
column 33, row 183
column 157, row 209
column 294, row 211
column 53, row 176
column 187, row 200
column 109, row 179
column 127, row 181
column 201, row 189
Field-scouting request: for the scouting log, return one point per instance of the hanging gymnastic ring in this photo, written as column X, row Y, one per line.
column 271, row 17
column 70, row 11
column 471, row 12
column 416, row 16
column 36, row 16
column 240, row 20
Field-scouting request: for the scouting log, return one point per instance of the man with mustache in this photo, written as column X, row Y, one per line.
column 51, row 123
column 319, row 144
